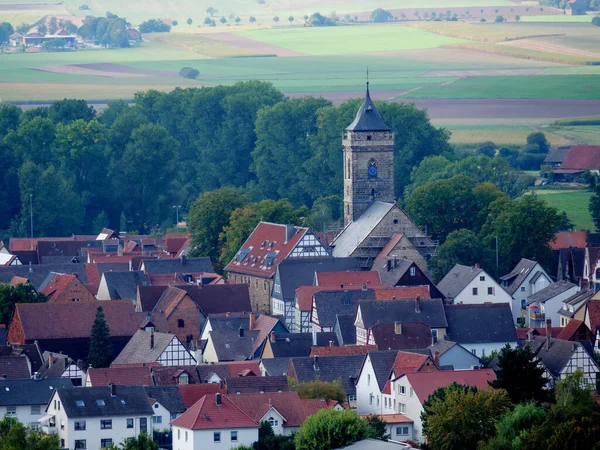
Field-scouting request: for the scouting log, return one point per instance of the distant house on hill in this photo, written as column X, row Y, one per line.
column 576, row 8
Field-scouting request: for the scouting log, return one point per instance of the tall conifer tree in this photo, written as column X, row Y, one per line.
column 101, row 351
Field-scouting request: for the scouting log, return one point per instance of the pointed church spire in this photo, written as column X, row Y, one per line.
column 368, row 118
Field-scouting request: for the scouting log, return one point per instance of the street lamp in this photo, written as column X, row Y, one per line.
column 176, row 208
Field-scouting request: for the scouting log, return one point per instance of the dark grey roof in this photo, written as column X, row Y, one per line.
column 123, row 285
column 556, row 155
column 289, row 345
column 275, row 366
column 330, row 304
column 205, row 371
column 412, row 335
column 382, row 363
column 230, row 347
column 129, row 400
column 368, row 118
column 478, row 324
column 60, row 363
column 32, row 351
column 61, row 259
column 178, row 265
column 392, row 277
column 550, row 291
column 3, row 332
column 516, row 277
column 457, row 279
column 37, row 273
column 14, row 367
column 257, row 385
column 168, row 396
column 403, row 311
column 577, row 301
column 345, row 330
column 557, row 355
column 296, row 272
column 138, row 348
column 30, row 391
column 330, row 368
column 228, row 321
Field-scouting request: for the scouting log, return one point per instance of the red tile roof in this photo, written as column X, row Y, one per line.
column 403, row 292
column 389, row 246
column 312, row 406
column 407, row 362
column 392, row 418
column 58, row 284
column 205, row 414
column 264, row 325
column 93, row 276
column 174, row 243
column 267, row 238
column 348, row 350
column 74, row 320
column 523, row 332
column 347, row 279
column 191, row 393
column 288, row 404
column 582, row 157
column 18, row 280
column 569, row 330
column 122, row 376
column 425, row 383
column 566, row 239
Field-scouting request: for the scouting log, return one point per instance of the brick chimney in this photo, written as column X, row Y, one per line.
column 252, row 321
column 548, row 333
column 50, row 359
column 436, row 358
column 151, row 340
column 316, row 363
column 272, row 336
column 418, row 304
column 331, row 343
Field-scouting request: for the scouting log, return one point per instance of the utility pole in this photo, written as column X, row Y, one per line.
column 31, row 213
column 176, row 208
column 496, row 252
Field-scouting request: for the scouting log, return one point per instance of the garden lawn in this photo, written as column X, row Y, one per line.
column 574, row 202
column 349, row 39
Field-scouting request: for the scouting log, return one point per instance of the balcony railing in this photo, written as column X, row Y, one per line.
column 535, row 315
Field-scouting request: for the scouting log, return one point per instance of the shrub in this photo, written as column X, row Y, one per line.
column 499, row 19
column 189, row 72
column 174, row 23
column 84, row 7
column 596, row 21
column 381, row 15
column 154, row 26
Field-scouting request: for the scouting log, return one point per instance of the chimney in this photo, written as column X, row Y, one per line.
column 182, row 259
column 252, row 321
column 50, row 359
column 151, row 340
column 113, row 389
column 316, row 363
column 272, row 336
column 389, row 265
column 364, row 286
column 397, row 328
column 395, row 261
column 218, row 400
column 331, row 343
column 314, row 336
column 290, row 230
column 436, row 358
column 548, row 333
column 418, row 304
column 241, row 331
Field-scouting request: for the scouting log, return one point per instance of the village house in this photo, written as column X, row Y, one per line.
column 403, row 272
column 191, row 393
column 371, row 381
column 66, row 288
column 121, row 376
column 452, row 354
column 15, row 367
column 26, row 399
column 592, row 320
column 527, row 278
column 290, row 345
column 167, row 405
column 573, row 308
column 58, row 365
column 97, row 417
column 579, row 158
column 150, row 348
column 547, row 303
column 213, row 422
column 256, row 262
column 121, row 285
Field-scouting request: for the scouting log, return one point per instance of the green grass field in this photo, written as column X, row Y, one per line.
column 351, row 39
column 573, row 202
column 557, row 18
column 500, row 134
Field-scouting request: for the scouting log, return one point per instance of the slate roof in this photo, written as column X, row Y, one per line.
column 14, row 367
column 37, row 273
column 229, row 346
column 74, row 320
column 581, row 157
column 457, row 279
column 167, row 375
column 288, row 404
column 128, row 401
column 347, row 350
column 368, row 118
column 556, row 357
column 392, row 277
column 123, row 285
column 556, row 155
column 296, row 272
column 290, row 345
column 30, row 391
column 256, row 385
column 382, row 363
column 178, row 265
column 228, row 321
column 167, row 396
column 344, row 328
column 148, row 297
column 205, row 371
column 191, row 393
column 123, row 376
column 550, row 292
column 377, row 311
column 518, row 275
column 473, row 324
column 358, row 230
column 330, row 304
column 267, row 246
column 413, row 335
column 330, row 368
column 219, row 298
column 425, row 383
column 138, row 350
column 60, row 363
column 2, row 335
column 275, row 366
column 347, row 278
column 205, row 414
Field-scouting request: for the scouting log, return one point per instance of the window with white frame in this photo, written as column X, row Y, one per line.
column 369, row 379
column 434, row 334
column 216, row 436
column 80, row 425
column 402, row 408
column 80, row 444
column 106, row 424
column 401, row 389
column 274, row 422
column 402, row 431
column 11, row 410
column 105, row 443
column 474, row 291
column 36, row 409
column 130, row 423
column 234, row 436
column 351, row 398
column 413, row 271
column 157, row 419
column 482, row 278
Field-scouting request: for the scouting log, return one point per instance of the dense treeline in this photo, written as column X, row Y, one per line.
column 110, row 30
column 128, row 166
column 592, row 5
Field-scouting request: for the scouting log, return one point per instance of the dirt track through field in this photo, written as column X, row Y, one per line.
column 261, row 48
column 541, row 46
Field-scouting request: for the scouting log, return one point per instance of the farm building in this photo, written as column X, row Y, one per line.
column 578, row 160
column 576, row 8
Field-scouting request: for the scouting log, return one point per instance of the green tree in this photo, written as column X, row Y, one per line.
column 10, row 116
column 276, row 19
column 461, row 247
column 463, row 419
column 189, row 21
column 69, row 27
column 329, row 429
column 208, row 217
column 101, row 349
column 596, row 21
column 211, row 11
column 70, row 110
column 6, row 29
column 252, row 19
column 268, row 440
column 42, row 28
column 223, row 20
column 291, row 19
column 524, row 228
column 11, row 295
column 378, row 428
column 321, row 389
column 440, row 395
column 142, row 442
column 381, row 15
column 519, row 374
column 16, row 436
column 53, row 25
column 514, row 424
column 539, row 139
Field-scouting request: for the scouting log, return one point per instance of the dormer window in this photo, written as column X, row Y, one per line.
column 184, row 378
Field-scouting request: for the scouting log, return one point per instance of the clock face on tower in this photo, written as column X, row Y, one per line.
column 372, row 169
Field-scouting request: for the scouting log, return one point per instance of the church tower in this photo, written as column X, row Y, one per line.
column 368, row 161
